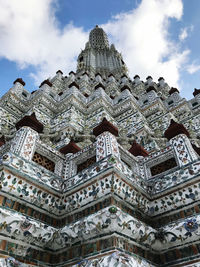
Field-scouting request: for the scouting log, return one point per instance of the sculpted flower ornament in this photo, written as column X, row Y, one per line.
column 113, row 212
column 7, row 158
column 190, row 226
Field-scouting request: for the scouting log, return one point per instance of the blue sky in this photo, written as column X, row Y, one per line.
column 155, row 37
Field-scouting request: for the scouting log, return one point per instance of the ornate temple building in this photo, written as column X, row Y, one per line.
column 98, row 169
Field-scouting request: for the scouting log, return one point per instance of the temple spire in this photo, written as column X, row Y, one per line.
column 99, row 57
column 98, row 38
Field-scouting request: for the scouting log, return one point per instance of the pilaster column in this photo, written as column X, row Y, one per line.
column 106, row 145
column 183, row 149
column 23, row 144
column 70, row 166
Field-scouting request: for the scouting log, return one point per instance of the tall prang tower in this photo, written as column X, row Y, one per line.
column 98, row 169
column 99, row 57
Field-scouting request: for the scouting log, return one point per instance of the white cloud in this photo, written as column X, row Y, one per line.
column 184, row 32
column 29, row 35
column 143, row 37
column 192, row 68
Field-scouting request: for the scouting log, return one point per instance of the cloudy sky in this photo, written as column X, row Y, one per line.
column 155, row 37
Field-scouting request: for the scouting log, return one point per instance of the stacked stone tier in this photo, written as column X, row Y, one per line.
column 116, row 200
